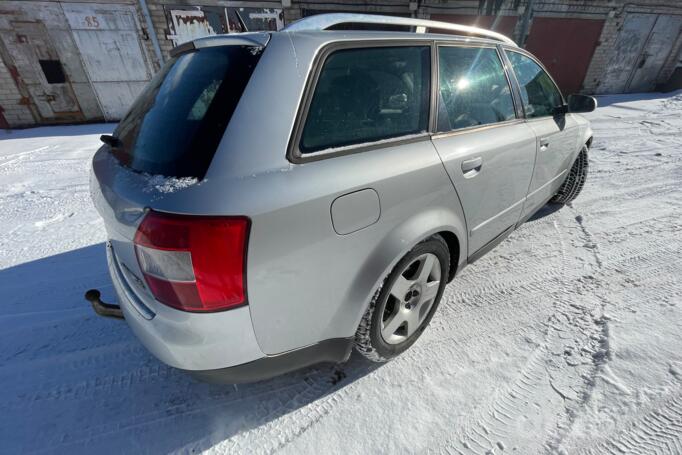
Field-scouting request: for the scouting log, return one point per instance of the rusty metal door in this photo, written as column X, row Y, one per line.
column 40, row 71
column 565, row 47
column 188, row 25
column 629, row 44
column 115, row 60
column 253, row 19
column 658, row 46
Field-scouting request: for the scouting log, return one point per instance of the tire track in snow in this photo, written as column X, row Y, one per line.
column 301, row 402
column 493, row 425
column 590, row 343
column 187, row 413
column 275, row 435
column 13, row 158
column 492, row 428
column 658, row 432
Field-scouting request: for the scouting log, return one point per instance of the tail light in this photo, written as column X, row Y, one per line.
column 194, row 263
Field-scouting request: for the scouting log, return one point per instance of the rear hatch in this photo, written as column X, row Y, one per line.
column 165, row 143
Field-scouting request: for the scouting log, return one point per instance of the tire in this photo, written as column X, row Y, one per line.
column 391, row 325
column 575, row 181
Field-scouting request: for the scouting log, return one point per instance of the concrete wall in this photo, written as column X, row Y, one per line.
column 76, row 34
column 13, row 107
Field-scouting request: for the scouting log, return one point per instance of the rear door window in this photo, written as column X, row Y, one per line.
column 473, row 88
column 368, row 94
column 176, row 123
column 539, row 94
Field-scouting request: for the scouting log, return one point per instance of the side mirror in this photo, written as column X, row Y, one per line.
column 581, row 103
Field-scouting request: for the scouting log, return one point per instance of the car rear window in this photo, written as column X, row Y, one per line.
column 175, row 125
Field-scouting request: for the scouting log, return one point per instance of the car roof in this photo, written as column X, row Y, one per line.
column 321, row 38
column 418, row 26
column 324, row 29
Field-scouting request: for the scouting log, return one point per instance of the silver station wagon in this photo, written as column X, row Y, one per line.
column 273, row 200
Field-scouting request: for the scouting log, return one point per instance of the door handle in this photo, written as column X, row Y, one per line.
column 472, row 166
column 544, row 145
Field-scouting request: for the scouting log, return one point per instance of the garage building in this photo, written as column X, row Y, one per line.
column 86, row 61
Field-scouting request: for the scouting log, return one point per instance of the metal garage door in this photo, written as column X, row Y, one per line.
column 565, row 47
column 643, row 46
column 655, row 53
column 39, row 69
column 107, row 37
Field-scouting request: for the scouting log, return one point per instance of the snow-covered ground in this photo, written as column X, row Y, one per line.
column 565, row 339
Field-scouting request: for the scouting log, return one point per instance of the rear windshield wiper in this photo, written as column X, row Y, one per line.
column 111, row 141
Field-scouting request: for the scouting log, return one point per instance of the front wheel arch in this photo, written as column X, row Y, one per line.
column 575, row 180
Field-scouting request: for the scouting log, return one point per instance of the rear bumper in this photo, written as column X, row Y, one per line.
column 188, row 341
column 336, row 350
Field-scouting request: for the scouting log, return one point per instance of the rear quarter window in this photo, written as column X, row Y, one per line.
column 176, row 123
column 368, row 94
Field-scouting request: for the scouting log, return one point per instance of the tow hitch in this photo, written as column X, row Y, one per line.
column 108, row 310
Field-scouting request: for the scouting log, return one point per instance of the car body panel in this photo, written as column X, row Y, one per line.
column 191, row 341
column 493, row 196
column 301, row 272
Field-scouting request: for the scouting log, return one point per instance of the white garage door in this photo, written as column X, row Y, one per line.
column 107, row 37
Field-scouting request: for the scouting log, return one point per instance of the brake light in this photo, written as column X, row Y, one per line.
column 194, row 263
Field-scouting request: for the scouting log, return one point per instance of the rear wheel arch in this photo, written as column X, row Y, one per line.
column 399, row 242
column 454, row 248
column 370, row 337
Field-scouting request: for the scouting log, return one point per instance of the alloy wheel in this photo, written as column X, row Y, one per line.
column 411, row 297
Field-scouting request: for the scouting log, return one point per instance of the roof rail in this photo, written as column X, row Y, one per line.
column 325, row 21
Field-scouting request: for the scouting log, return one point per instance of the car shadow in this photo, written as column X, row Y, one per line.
column 545, row 211
column 73, row 381
column 620, row 99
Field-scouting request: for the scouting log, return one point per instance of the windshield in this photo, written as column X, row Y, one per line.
column 176, row 123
